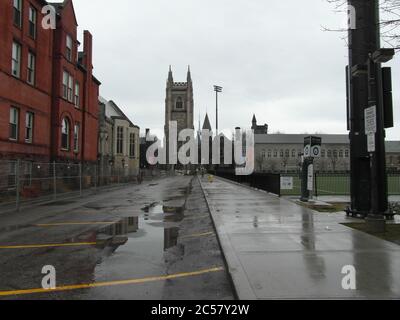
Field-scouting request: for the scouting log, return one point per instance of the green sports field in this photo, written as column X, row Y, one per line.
column 337, row 184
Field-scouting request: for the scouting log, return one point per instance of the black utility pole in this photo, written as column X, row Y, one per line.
column 367, row 120
column 361, row 42
column 217, row 90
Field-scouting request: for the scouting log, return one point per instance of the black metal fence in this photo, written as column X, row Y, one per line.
column 269, row 182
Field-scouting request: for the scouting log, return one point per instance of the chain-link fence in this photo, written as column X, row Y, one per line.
column 28, row 182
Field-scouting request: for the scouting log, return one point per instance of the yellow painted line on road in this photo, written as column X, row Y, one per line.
column 111, row 283
column 50, row 245
column 74, row 224
column 197, row 235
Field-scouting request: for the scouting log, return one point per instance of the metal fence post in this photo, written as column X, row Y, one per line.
column 17, row 185
column 95, row 177
column 80, row 179
column 54, row 180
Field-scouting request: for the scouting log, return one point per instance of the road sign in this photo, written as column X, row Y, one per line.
column 312, row 147
column 371, row 142
column 287, row 183
column 370, row 120
column 307, row 151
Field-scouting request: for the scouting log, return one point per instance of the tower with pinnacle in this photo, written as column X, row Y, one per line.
column 179, row 103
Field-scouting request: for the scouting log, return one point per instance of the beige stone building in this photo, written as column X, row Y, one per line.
column 119, row 144
column 283, row 152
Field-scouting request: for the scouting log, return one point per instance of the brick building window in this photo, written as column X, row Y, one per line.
column 17, row 13
column 16, row 60
column 294, row 153
column 29, row 127
column 70, row 89
column 347, row 153
column 14, row 123
column 77, row 94
column 32, row 22
column 269, row 153
column 76, row 137
column 68, row 51
column 31, row 68
column 65, row 134
column 65, row 85
column 120, row 140
column 132, row 145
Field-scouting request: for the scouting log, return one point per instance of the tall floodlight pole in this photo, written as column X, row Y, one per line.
column 217, row 90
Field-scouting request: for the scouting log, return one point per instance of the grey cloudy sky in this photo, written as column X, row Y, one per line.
column 271, row 57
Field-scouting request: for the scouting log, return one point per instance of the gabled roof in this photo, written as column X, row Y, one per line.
column 59, row 6
column 119, row 113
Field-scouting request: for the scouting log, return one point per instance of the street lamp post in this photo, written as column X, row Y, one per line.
column 217, row 90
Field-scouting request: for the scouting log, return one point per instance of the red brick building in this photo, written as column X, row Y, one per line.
column 48, row 94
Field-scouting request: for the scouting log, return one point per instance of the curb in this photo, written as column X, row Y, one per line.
column 235, row 269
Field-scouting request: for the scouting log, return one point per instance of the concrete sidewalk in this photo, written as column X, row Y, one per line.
column 276, row 249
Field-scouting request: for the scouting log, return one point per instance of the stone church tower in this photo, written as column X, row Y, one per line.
column 179, row 104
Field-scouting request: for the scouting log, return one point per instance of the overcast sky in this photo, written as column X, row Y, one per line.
column 271, row 57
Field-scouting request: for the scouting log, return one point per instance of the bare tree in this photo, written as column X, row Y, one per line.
column 390, row 20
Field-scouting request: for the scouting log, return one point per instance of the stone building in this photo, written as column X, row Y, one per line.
column 179, row 105
column 119, row 141
column 283, row 152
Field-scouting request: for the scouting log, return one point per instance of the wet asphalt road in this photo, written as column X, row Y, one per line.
column 137, row 235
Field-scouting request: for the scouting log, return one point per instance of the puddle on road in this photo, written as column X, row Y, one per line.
column 153, row 232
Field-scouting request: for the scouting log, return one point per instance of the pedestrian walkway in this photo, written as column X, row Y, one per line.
column 276, row 249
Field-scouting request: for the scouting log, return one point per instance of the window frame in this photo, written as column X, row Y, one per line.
column 32, row 24
column 16, row 61
column 19, row 10
column 68, row 50
column 70, row 88
column 16, row 124
column 180, row 101
column 77, row 130
column 31, row 69
column 132, row 145
column 29, row 127
column 66, row 134
column 77, row 95
column 120, row 140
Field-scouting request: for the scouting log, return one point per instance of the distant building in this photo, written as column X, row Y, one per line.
column 119, row 145
column 258, row 129
column 283, row 152
column 179, row 105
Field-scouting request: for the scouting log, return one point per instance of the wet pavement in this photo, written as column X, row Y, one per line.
column 149, row 241
column 276, row 249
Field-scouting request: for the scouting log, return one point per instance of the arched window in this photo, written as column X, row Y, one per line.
column 179, row 103
column 65, row 129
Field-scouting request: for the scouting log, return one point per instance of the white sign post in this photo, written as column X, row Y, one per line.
column 310, row 178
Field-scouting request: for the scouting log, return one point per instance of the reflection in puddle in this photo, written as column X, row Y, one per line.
column 157, row 228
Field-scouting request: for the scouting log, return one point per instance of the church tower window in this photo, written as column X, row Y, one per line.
column 179, row 103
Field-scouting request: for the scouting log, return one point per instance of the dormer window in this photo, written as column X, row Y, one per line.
column 179, row 103
column 69, row 48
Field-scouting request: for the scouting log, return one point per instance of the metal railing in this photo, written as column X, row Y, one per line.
column 23, row 182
